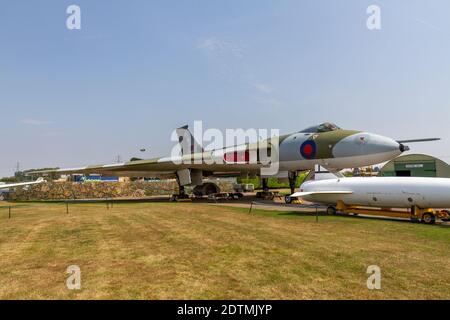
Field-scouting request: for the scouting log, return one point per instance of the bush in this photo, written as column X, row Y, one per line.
column 273, row 183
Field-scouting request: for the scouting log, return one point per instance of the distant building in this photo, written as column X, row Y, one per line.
column 93, row 177
column 416, row 165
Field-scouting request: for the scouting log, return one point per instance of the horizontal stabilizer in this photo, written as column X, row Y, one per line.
column 303, row 194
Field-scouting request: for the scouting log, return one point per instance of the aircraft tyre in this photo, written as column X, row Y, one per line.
column 206, row 189
column 428, row 218
column 331, row 211
column 288, row 199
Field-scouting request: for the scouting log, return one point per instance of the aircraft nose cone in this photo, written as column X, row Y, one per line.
column 362, row 144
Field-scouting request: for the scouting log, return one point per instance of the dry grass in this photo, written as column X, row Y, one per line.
column 198, row 251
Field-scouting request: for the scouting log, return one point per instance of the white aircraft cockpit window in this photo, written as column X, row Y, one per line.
column 324, row 127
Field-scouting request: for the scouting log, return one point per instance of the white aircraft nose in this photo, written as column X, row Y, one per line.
column 363, row 143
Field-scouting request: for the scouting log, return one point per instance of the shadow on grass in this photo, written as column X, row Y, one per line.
column 391, row 219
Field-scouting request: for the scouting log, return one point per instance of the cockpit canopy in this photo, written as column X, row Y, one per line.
column 324, row 127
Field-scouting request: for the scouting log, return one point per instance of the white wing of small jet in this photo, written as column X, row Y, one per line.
column 12, row 185
column 303, row 194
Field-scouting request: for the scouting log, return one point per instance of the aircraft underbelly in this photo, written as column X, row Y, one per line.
column 297, row 165
column 384, row 200
column 334, row 163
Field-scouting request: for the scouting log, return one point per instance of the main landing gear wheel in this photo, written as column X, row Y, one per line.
column 428, row 218
column 331, row 211
column 288, row 199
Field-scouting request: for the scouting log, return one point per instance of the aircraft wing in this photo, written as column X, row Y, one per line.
column 152, row 168
column 192, row 156
column 303, row 194
column 12, row 185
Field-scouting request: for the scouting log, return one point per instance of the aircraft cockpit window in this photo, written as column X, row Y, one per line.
column 324, row 127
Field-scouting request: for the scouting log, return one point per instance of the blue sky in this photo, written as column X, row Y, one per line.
column 138, row 69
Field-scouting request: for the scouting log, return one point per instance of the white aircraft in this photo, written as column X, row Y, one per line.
column 4, row 186
column 380, row 192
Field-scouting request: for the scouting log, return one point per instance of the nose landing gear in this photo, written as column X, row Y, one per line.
column 293, row 180
column 182, row 195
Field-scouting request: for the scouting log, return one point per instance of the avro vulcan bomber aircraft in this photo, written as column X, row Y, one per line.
column 326, row 145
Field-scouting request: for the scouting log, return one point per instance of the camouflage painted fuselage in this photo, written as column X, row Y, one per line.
column 337, row 149
column 332, row 147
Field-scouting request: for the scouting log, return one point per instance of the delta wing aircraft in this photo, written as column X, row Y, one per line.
column 326, row 145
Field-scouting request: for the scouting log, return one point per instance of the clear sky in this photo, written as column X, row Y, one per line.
column 138, row 69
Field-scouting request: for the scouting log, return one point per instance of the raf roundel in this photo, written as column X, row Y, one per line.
column 308, row 150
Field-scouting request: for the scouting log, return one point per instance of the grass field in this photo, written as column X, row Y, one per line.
column 200, row 251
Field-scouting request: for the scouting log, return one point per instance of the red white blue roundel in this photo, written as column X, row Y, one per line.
column 308, row 149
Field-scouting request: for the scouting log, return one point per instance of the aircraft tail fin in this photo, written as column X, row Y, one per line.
column 187, row 141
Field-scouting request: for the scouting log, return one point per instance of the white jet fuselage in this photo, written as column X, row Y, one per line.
column 391, row 192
